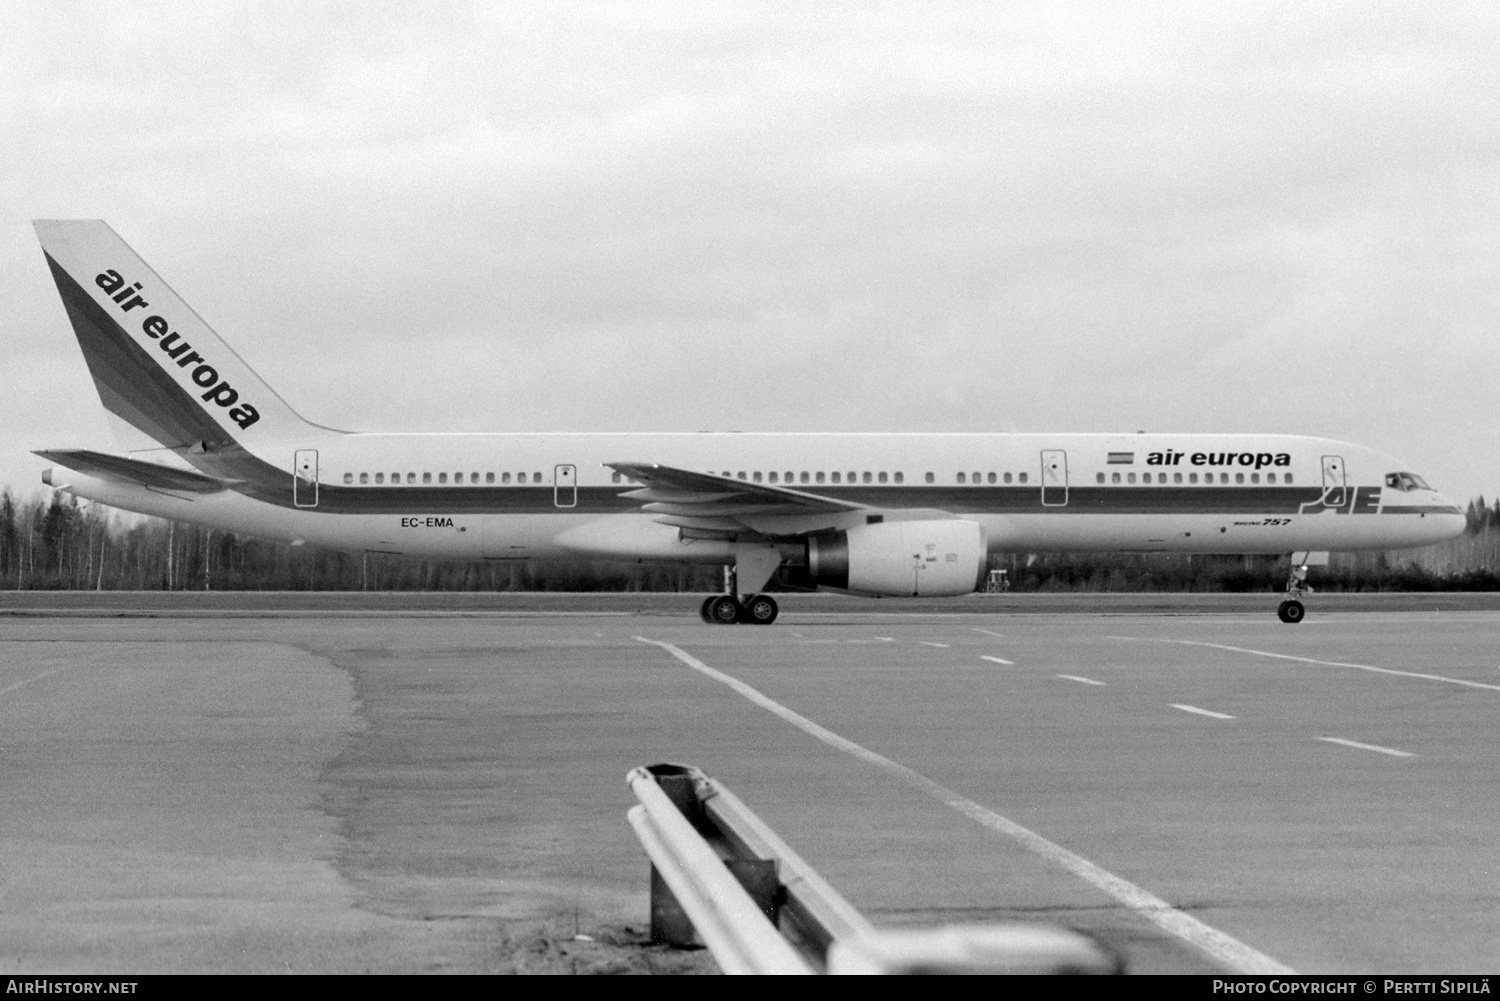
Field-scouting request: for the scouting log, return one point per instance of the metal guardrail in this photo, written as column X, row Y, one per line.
column 721, row 876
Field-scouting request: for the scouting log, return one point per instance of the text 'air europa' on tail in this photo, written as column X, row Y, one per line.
column 156, row 364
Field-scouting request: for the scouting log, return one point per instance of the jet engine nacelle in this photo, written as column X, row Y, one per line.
column 925, row 558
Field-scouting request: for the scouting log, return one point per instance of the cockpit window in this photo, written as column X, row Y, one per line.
column 1406, row 481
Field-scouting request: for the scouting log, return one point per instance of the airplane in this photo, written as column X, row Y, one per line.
column 870, row 514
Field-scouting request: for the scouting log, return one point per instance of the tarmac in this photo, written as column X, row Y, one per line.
column 380, row 783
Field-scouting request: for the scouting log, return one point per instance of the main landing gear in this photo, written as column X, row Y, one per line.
column 1292, row 610
column 727, row 610
column 730, row 608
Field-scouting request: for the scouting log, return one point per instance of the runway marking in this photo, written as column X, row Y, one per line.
column 989, row 633
column 39, row 677
column 1200, row 712
column 1079, row 677
column 1369, row 747
column 998, row 660
column 1233, row 953
column 1325, row 663
column 940, row 646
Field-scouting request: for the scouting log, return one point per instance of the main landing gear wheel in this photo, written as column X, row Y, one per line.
column 1291, row 612
column 759, row 610
column 723, row 610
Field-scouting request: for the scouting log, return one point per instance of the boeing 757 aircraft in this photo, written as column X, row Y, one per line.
column 873, row 514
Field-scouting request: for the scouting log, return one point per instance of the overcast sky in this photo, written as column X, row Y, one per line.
column 972, row 217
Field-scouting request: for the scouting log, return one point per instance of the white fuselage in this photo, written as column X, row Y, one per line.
column 549, row 496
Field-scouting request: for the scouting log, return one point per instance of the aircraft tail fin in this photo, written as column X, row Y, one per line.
column 156, row 364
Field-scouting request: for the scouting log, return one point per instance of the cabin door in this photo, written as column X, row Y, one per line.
column 1333, row 481
column 305, row 477
column 1054, row 477
column 565, row 486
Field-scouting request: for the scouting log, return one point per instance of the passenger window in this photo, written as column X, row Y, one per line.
column 442, row 477
column 1223, row 477
column 1287, row 478
column 867, row 476
column 1007, row 477
column 504, row 477
column 1130, row 478
column 1192, row 477
column 819, row 477
column 837, row 477
column 1176, row 477
column 976, row 479
column 1254, row 477
column 772, row 476
column 1099, row 478
column 740, row 475
column 1114, row 477
column 1022, row 477
column 756, row 476
column 881, row 478
column 900, row 478
column 348, row 477
column 613, row 477
column 804, row 477
column 379, row 477
column 851, row 477
column 787, row 477
column 961, row 478
column 990, row 478
column 931, row 478
column 426, row 477
column 536, row 478
column 1270, row 477
column 411, row 477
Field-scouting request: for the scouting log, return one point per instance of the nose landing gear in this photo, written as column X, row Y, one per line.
column 1292, row 610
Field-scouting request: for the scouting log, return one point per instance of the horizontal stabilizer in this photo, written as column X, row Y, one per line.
column 122, row 469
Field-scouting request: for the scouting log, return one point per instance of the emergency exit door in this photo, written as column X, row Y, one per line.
column 565, row 486
column 305, row 477
column 1054, row 477
column 1334, row 487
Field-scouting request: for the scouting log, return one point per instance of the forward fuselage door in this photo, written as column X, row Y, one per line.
column 305, row 477
column 1054, row 477
column 1333, row 481
column 565, row 486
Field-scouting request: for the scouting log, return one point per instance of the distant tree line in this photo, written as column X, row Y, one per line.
column 51, row 542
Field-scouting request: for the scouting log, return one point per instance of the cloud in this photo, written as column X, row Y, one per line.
column 1035, row 217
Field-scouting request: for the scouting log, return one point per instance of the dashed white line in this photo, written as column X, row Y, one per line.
column 1079, row 677
column 1369, row 747
column 998, row 660
column 39, row 677
column 989, row 633
column 940, row 646
column 1228, row 950
column 1325, row 663
column 1200, row 712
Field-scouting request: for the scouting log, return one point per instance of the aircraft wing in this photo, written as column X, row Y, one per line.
column 706, row 504
column 123, row 469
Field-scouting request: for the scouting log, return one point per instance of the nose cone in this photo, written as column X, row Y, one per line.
column 1449, row 518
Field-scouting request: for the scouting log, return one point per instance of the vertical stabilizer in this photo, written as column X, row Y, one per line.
column 156, row 364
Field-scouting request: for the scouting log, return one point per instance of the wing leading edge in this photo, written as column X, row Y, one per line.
column 707, row 505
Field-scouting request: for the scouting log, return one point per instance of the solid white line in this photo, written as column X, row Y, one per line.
column 1079, row 677
column 989, row 633
column 1369, row 747
column 39, row 677
column 1230, row 951
column 1325, row 663
column 998, row 660
column 940, row 646
column 1200, row 712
